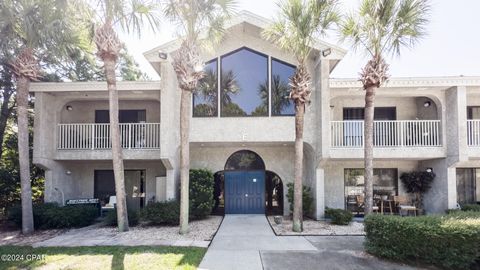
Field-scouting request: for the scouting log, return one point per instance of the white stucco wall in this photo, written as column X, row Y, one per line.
column 80, row 182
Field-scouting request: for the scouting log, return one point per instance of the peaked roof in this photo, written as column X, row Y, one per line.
column 243, row 16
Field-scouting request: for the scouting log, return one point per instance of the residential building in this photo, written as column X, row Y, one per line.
column 242, row 129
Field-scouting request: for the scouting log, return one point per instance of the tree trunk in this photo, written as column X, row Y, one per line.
column 117, row 157
column 5, row 113
column 297, row 185
column 185, row 103
column 23, row 85
column 368, row 147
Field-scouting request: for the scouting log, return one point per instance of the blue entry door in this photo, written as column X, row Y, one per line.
column 244, row 192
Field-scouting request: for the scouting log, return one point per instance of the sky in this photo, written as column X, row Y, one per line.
column 451, row 48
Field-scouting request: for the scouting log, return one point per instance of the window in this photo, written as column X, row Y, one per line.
column 468, row 185
column 244, row 84
column 244, row 160
column 124, row 116
column 281, row 103
column 473, row 112
column 380, row 113
column 385, row 182
column 353, row 131
column 205, row 98
column 245, row 88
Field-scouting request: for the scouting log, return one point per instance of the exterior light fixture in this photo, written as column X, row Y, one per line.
column 67, row 172
column 429, row 170
column 326, row 52
column 162, row 55
column 427, row 104
column 69, row 108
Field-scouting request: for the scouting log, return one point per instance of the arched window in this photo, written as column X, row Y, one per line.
column 244, row 160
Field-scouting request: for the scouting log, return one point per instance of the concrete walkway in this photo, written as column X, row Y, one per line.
column 240, row 240
column 248, row 242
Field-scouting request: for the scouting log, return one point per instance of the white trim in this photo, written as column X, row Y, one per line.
column 412, row 82
column 94, row 86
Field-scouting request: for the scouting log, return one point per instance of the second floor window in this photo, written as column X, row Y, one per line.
column 124, row 116
column 243, row 86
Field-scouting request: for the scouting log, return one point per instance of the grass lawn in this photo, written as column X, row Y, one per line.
column 104, row 257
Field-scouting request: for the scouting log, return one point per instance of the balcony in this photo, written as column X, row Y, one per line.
column 97, row 136
column 391, row 139
column 473, row 133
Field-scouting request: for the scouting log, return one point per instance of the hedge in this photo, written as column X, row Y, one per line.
column 201, row 193
column 111, row 218
column 450, row 241
column 339, row 216
column 167, row 212
column 471, row 207
column 53, row 216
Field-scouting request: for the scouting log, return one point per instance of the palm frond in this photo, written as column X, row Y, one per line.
column 385, row 26
column 299, row 22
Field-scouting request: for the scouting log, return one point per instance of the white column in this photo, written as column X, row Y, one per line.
column 320, row 193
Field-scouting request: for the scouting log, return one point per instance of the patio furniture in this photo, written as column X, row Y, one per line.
column 361, row 204
column 403, row 205
column 386, row 203
column 112, row 200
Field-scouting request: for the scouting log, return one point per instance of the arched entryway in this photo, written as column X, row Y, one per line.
column 245, row 187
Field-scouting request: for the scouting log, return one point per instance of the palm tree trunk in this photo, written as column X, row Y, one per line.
column 298, row 168
column 184, row 159
column 23, row 85
column 5, row 113
column 368, row 147
column 117, row 157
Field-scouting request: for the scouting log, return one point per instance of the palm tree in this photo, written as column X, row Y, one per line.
column 30, row 30
column 130, row 16
column 193, row 16
column 294, row 30
column 381, row 27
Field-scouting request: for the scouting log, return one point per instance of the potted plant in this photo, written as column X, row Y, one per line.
column 417, row 183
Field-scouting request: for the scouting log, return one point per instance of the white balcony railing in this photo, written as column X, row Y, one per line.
column 97, row 136
column 473, row 133
column 401, row 133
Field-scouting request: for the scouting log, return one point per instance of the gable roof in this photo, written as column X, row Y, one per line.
column 243, row 16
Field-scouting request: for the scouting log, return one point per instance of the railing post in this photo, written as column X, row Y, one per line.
column 402, row 124
column 129, row 136
column 93, row 136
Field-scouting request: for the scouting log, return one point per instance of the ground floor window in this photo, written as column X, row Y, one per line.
column 385, row 184
column 104, row 187
column 468, row 185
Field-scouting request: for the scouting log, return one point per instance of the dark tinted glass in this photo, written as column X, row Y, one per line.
column 244, row 160
column 281, row 103
column 206, row 96
column 384, row 183
column 244, row 85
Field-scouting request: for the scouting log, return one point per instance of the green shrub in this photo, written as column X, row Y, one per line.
column 471, row 207
column 307, row 199
column 339, row 216
column 449, row 241
column 111, row 218
column 52, row 216
column 167, row 212
column 201, row 193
